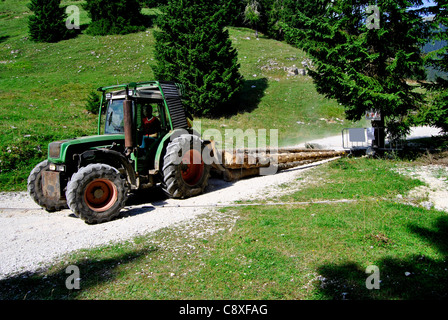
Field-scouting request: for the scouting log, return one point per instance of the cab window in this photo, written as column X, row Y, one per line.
column 115, row 117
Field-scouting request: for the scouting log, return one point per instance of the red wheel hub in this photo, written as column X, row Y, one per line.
column 100, row 195
column 192, row 167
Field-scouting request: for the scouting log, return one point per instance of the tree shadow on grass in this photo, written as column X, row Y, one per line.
column 247, row 100
column 51, row 285
column 3, row 38
column 415, row 278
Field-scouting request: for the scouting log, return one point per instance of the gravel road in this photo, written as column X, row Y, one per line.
column 33, row 238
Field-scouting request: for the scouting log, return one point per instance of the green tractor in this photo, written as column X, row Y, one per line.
column 145, row 139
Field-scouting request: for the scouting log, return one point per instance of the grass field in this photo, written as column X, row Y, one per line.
column 44, row 87
column 281, row 252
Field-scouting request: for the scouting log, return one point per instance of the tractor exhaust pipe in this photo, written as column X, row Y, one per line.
column 128, row 125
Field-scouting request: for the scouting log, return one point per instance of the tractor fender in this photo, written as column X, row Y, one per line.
column 158, row 160
column 110, row 157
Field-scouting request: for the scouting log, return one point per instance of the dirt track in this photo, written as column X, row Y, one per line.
column 33, row 237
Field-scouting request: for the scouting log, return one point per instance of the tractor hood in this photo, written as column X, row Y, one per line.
column 57, row 151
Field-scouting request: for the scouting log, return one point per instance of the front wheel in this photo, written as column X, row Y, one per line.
column 37, row 193
column 97, row 193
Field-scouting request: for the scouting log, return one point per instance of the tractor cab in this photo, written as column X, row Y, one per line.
column 150, row 119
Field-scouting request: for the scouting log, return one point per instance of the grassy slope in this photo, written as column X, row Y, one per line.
column 43, row 88
column 282, row 252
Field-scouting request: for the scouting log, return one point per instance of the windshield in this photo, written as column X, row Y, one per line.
column 115, row 117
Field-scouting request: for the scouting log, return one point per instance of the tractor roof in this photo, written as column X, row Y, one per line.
column 144, row 93
column 143, row 90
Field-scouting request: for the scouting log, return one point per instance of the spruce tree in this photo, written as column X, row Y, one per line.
column 436, row 111
column 365, row 66
column 235, row 12
column 114, row 16
column 193, row 48
column 48, row 22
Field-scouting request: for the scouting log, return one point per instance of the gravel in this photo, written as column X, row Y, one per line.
column 34, row 238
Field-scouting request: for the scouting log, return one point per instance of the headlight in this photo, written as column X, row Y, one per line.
column 55, row 167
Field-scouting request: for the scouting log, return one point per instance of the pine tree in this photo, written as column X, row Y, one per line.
column 193, row 48
column 48, row 22
column 235, row 12
column 114, row 16
column 365, row 66
column 436, row 111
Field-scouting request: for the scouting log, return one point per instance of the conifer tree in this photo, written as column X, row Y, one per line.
column 193, row 48
column 48, row 22
column 114, row 16
column 235, row 12
column 365, row 66
column 436, row 111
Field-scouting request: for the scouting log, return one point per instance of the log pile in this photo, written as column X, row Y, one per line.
column 248, row 162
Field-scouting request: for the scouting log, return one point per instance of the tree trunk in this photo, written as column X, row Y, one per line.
column 380, row 133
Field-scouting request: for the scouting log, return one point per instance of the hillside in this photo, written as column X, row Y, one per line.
column 356, row 228
column 43, row 88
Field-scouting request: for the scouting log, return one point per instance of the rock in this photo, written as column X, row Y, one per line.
column 428, row 205
column 307, row 63
column 294, row 71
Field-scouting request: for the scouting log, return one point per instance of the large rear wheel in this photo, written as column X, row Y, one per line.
column 184, row 172
column 97, row 193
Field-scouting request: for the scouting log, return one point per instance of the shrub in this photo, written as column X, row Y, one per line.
column 114, row 16
column 48, row 22
column 93, row 102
